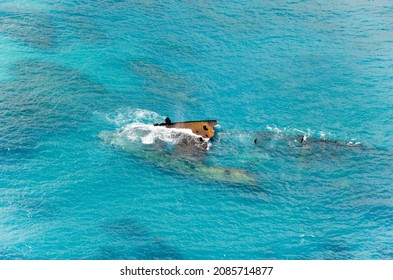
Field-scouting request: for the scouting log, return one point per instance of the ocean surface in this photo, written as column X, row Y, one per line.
column 85, row 175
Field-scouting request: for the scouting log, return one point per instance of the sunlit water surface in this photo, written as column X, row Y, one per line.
column 79, row 181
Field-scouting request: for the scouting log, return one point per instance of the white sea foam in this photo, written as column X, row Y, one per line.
column 148, row 133
column 137, row 133
column 137, row 126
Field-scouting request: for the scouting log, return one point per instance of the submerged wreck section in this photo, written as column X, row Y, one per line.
column 292, row 144
column 176, row 149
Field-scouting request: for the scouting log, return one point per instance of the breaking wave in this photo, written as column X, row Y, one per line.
column 136, row 126
column 150, row 134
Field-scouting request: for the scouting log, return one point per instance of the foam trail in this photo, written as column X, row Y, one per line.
column 128, row 115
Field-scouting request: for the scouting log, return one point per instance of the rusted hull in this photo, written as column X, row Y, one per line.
column 203, row 128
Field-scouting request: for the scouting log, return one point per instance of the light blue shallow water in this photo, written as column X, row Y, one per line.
column 74, row 72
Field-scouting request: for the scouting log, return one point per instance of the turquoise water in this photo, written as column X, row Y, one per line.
column 82, row 82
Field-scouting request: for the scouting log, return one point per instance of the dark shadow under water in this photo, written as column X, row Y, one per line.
column 31, row 27
column 130, row 240
column 46, row 98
